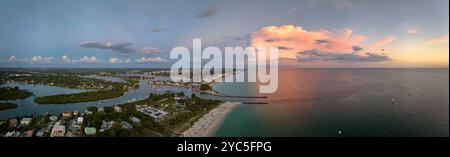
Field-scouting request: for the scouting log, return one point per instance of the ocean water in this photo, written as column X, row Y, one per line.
column 357, row 102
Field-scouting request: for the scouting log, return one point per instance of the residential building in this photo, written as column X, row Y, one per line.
column 67, row 114
column 90, row 131
column 117, row 109
column 53, row 118
column 58, row 130
column 40, row 133
column 80, row 120
column 157, row 114
column 126, row 126
column 28, row 133
column 25, row 121
column 135, row 119
column 106, row 126
column 13, row 123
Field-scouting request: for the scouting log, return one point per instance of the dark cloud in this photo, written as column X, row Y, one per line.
column 322, row 41
column 207, row 13
column 124, row 48
column 313, row 55
column 357, row 48
column 242, row 38
column 284, row 48
column 159, row 30
column 272, row 40
column 119, row 47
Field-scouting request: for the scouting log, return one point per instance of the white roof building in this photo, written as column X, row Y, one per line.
column 80, row 120
column 25, row 121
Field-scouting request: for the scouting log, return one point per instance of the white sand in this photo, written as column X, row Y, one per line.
column 206, row 125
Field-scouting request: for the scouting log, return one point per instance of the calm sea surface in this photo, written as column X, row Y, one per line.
column 320, row 102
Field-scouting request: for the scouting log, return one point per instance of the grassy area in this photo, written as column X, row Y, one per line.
column 5, row 106
column 8, row 93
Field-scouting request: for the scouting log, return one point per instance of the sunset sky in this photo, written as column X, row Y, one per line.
column 141, row 33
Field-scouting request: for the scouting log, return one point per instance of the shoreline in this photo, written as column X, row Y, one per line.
column 206, row 125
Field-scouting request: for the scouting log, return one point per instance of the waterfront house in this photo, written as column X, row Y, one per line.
column 25, row 121
column 100, row 109
column 117, row 109
column 88, row 112
column 66, row 114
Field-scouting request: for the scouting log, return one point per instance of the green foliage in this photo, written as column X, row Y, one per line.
column 5, row 106
column 8, row 93
column 93, row 109
column 79, row 97
column 205, row 87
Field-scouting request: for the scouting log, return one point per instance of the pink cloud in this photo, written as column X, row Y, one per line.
column 292, row 41
column 381, row 43
column 440, row 40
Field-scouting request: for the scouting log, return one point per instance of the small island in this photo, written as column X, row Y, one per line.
column 8, row 93
column 79, row 97
column 99, row 89
column 5, row 106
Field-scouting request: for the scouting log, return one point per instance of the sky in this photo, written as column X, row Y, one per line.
column 141, row 33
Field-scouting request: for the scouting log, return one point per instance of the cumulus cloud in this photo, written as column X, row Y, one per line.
column 12, row 59
column 65, row 59
column 207, row 13
column 115, row 60
column 412, row 30
column 87, row 59
column 151, row 60
column 40, row 59
column 329, row 45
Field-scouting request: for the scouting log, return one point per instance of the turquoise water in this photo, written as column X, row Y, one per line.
column 319, row 102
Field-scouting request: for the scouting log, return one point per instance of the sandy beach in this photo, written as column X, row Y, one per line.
column 206, row 125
